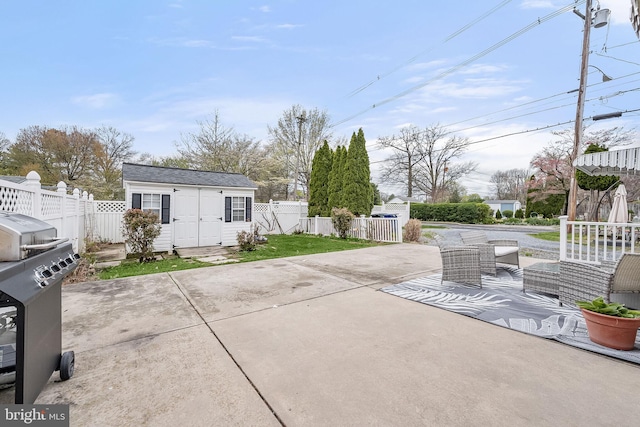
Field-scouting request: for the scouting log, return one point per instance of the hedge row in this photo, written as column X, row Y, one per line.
column 468, row 213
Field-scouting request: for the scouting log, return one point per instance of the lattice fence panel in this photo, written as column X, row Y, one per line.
column 14, row 200
column 50, row 205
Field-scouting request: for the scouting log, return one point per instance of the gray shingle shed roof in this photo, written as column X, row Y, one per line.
column 159, row 174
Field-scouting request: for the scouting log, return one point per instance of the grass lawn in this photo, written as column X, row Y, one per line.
column 552, row 236
column 278, row 246
column 134, row 268
column 282, row 245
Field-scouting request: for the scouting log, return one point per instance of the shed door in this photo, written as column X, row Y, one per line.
column 210, row 217
column 185, row 224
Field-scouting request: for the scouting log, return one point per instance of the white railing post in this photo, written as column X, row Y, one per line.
column 563, row 237
column 315, row 224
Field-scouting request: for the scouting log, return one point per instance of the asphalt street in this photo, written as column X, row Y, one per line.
column 529, row 245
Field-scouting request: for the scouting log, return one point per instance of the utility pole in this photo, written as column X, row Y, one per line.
column 577, row 141
column 301, row 119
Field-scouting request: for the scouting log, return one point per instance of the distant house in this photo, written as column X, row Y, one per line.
column 196, row 208
column 503, row 205
column 404, row 199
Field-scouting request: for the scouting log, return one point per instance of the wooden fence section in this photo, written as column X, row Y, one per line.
column 375, row 229
column 70, row 214
column 593, row 242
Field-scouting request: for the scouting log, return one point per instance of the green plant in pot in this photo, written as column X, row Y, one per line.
column 610, row 324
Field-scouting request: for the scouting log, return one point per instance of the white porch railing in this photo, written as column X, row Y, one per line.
column 376, row 229
column 593, row 242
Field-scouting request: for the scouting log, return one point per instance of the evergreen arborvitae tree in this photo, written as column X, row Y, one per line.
column 319, row 182
column 357, row 195
column 335, row 177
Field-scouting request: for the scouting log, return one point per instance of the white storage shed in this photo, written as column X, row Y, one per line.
column 196, row 208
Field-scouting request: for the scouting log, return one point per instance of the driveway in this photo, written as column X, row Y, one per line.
column 310, row 341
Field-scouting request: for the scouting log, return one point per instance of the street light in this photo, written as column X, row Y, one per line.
column 601, row 18
column 605, row 78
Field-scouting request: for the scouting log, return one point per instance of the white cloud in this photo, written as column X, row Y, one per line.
column 288, row 26
column 96, row 101
column 253, row 39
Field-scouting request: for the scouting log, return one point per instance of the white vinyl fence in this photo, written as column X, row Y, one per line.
column 375, row 229
column 592, row 242
column 70, row 214
column 402, row 210
column 108, row 220
column 279, row 217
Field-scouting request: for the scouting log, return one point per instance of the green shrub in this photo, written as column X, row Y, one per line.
column 140, row 229
column 468, row 213
column 412, row 230
column 507, row 213
column 342, row 219
column 512, row 221
column 519, row 214
column 498, row 214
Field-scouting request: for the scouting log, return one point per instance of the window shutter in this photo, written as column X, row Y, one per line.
column 227, row 209
column 166, row 204
column 136, row 201
column 248, row 205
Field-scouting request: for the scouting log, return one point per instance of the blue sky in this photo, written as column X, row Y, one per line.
column 154, row 68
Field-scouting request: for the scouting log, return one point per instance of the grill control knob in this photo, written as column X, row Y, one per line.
column 62, row 264
column 55, row 268
column 47, row 273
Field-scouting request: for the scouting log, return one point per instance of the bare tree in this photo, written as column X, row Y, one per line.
column 4, row 147
column 221, row 149
column 114, row 148
column 510, row 184
column 399, row 167
column 440, row 167
column 296, row 138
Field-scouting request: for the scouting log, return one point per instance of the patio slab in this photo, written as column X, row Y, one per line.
column 332, row 352
column 362, row 357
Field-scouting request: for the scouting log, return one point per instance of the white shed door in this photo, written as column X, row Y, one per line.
column 210, row 217
column 186, row 218
column 198, row 217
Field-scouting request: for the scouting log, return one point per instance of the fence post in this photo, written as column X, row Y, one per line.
column 33, row 182
column 315, row 225
column 563, row 237
column 62, row 192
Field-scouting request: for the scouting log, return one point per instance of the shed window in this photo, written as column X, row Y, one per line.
column 151, row 203
column 238, row 209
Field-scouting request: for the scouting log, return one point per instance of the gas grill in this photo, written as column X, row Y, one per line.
column 33, row 263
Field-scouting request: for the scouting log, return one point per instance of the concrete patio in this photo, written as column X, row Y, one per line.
column 310, row 341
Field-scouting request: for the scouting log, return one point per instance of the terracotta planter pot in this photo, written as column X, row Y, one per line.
column 611, row 331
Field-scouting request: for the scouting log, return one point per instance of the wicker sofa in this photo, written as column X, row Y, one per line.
column 583, row 282
column 492, row 251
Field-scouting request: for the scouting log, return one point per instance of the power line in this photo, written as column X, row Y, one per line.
column 464, row 63
column 412, row 59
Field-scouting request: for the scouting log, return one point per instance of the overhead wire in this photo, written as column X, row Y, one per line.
column 460, row 65
column 413, row 59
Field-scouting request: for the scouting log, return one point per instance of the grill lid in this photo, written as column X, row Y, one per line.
column 22, row 236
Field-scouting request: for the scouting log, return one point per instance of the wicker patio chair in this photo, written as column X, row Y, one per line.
column 504, row 251
column 461, row 264
column 585, row 282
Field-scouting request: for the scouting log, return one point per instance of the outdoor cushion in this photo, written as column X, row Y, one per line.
column 505, row 250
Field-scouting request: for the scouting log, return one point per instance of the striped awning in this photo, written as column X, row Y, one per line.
column 617, row 162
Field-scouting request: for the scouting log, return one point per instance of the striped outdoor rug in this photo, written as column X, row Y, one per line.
column 502, row 302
